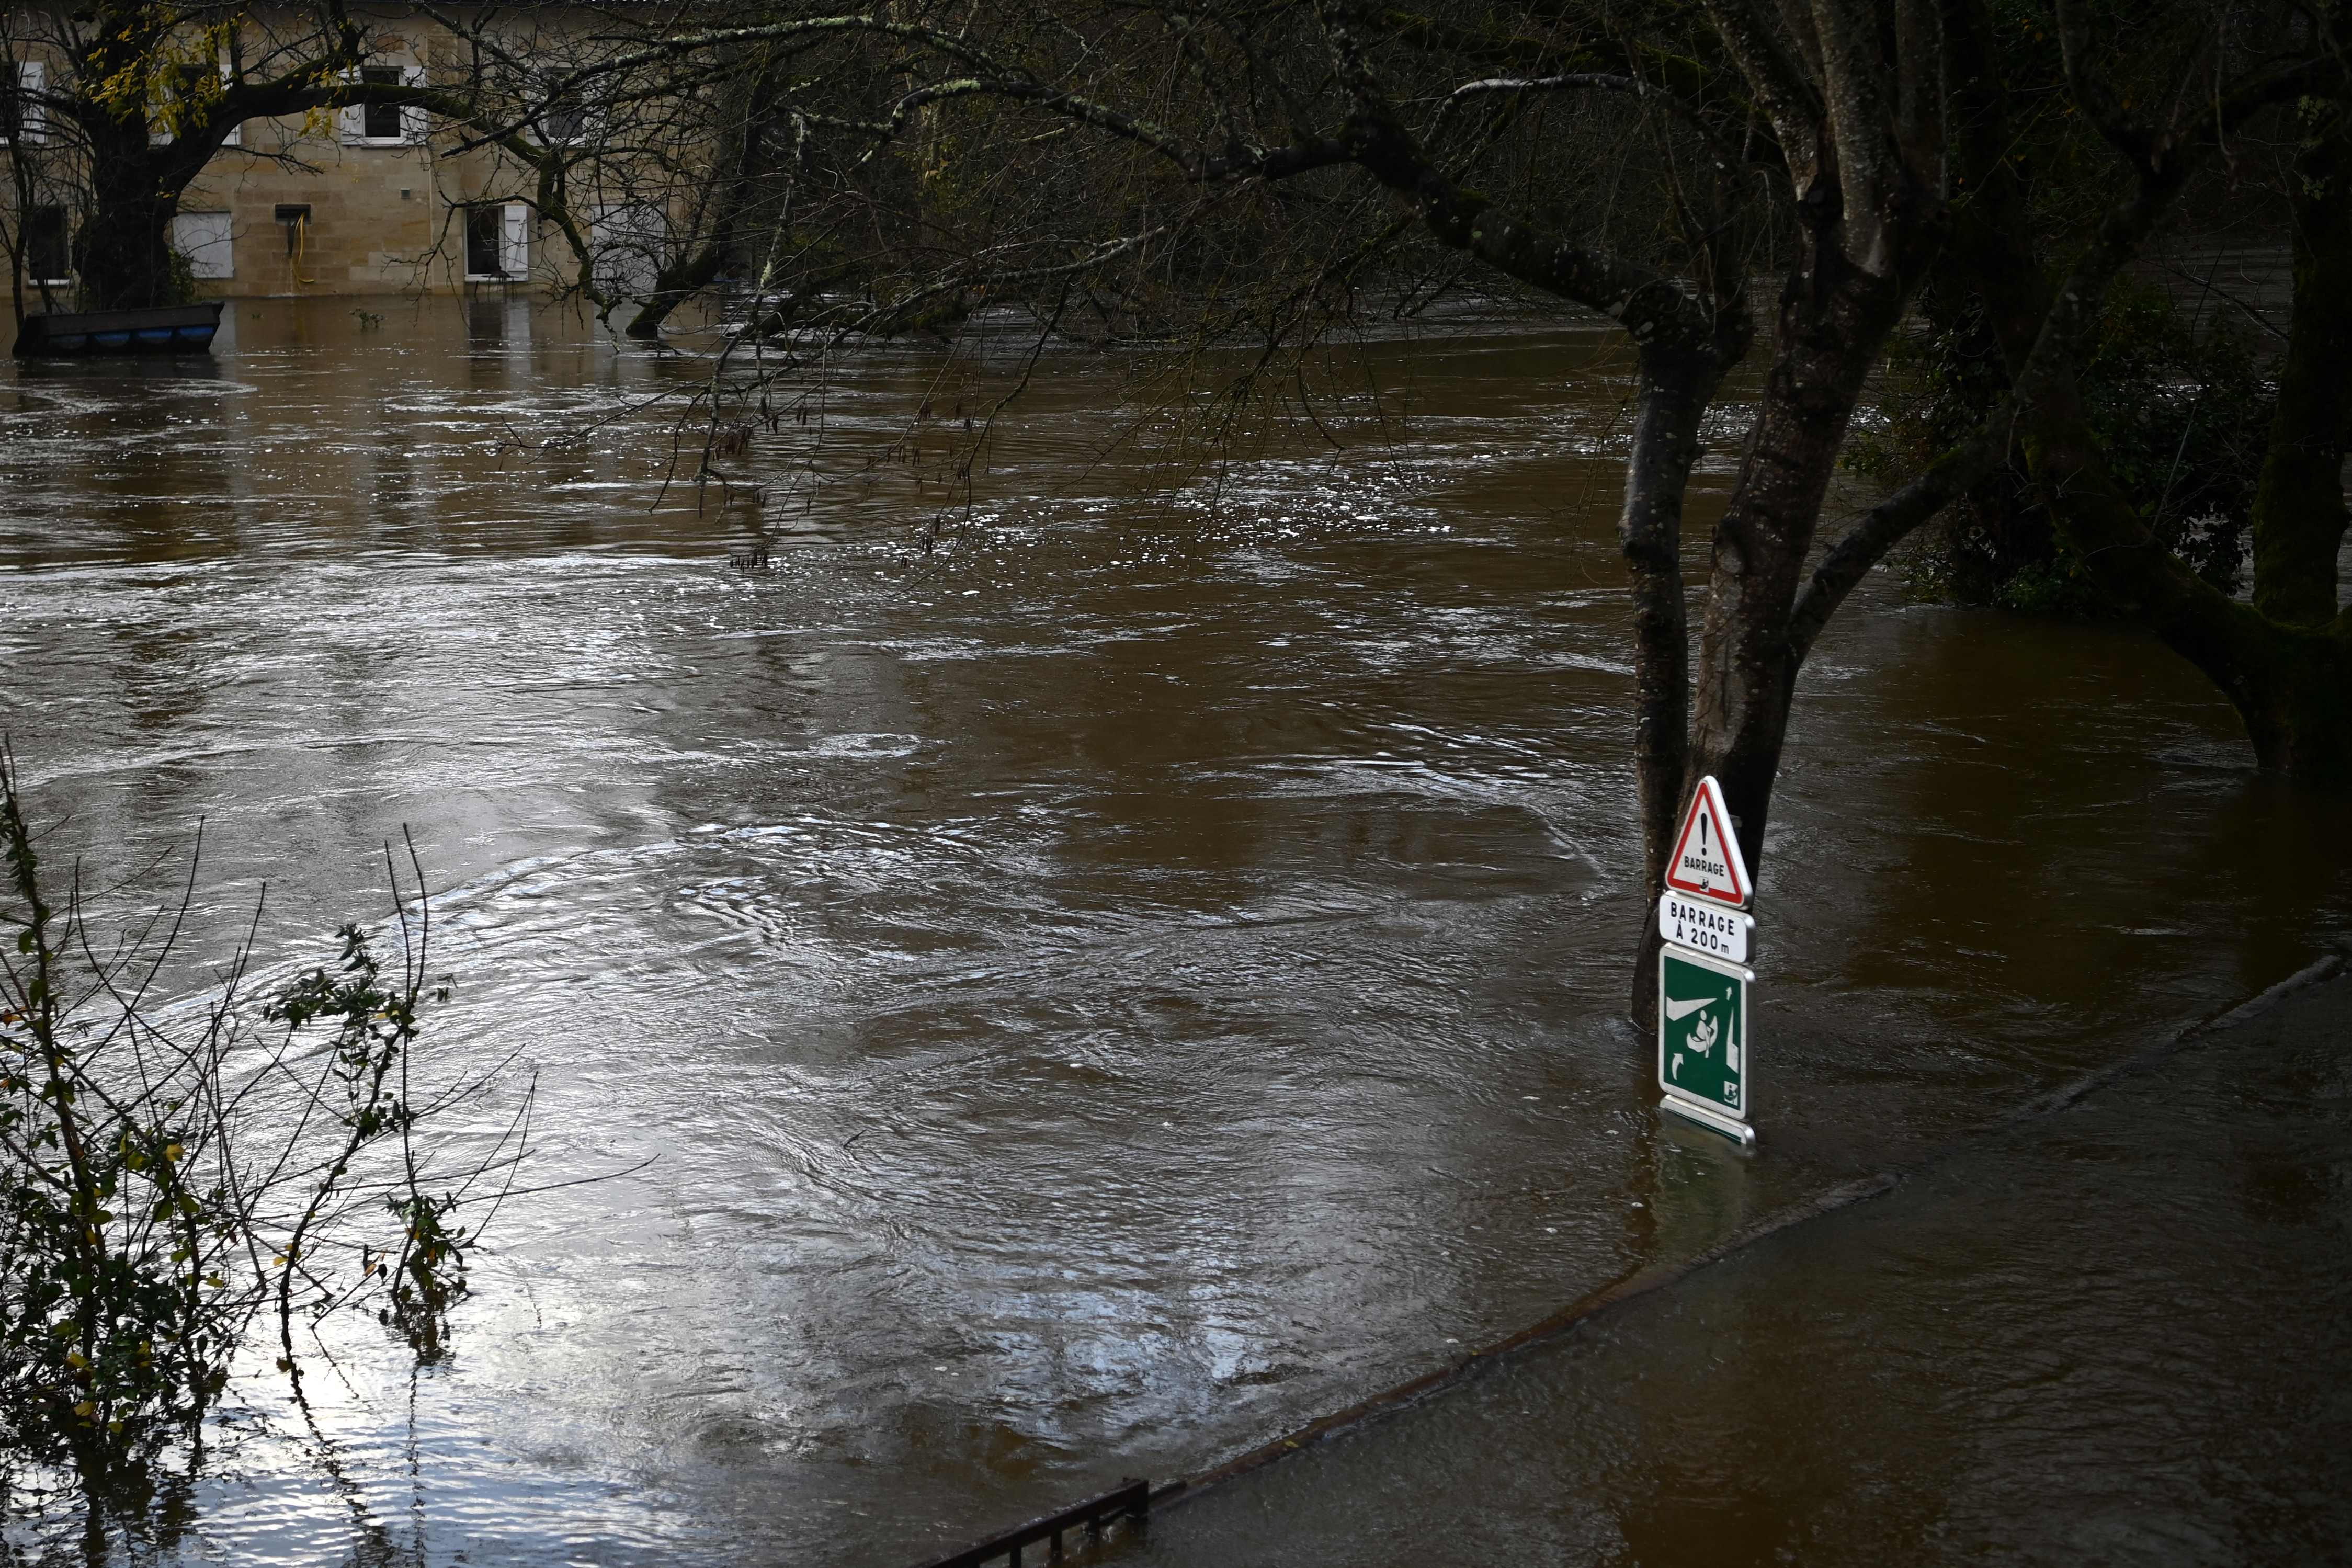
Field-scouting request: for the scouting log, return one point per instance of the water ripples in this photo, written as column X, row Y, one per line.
column 1064, row 1002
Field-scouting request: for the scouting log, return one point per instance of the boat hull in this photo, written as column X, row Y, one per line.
column 156, row 330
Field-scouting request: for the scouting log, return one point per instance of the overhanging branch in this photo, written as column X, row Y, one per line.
column 1887, row 524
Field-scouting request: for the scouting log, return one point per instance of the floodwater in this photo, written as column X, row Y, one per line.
column 1074, row 977
column 2118, row 1334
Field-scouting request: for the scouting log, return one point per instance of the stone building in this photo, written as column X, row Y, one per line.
column 364, row 199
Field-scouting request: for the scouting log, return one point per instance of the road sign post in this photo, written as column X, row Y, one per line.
column 1704, row 1038
column 1706, row 1028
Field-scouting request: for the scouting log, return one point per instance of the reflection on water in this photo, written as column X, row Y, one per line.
column 1096, row 992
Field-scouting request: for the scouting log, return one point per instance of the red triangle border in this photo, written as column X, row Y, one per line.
column 1708, row 797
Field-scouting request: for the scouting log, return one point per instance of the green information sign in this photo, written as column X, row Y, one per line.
column 1703, row 1032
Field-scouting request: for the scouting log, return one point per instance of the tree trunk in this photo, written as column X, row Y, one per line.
column 1675, row 389
column 2291, row 682
column 2298, row 708
column 2293, row 686
column 2286, row 661
column 677, row 284
column 123, row 253
column 2299, row 512
column 742, row 163
column 1834, row 320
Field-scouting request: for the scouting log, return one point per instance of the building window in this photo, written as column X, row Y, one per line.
column 485, row 233
column 380, row 121
column 383, row 124
column 564, row 119
column 20, row 116
column 498, row 242
column 48, row 244
column 565, row 124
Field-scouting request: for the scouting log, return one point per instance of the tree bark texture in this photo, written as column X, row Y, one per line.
column 1675, row 390
column 1833, row 321
column 2299, row 512
column 1834, row 318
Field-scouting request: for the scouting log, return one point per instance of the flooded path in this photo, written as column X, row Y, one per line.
column 2119, row 1333
column 1098, row 992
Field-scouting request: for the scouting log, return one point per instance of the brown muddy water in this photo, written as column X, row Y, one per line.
column 2116, row 1334
column 1098, row 991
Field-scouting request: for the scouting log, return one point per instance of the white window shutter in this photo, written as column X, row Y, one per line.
column 351, row 121
column 206, row 240
column 32, row 78
column 514, row 249
column 412, row 119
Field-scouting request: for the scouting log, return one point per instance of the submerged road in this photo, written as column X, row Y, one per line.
column 2116, row 1332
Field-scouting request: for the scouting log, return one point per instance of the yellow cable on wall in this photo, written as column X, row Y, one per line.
column 302, row 248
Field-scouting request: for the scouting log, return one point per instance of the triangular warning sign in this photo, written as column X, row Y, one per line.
column 1707, row 859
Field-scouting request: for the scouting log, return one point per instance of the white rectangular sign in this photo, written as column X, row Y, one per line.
column 1705, row 925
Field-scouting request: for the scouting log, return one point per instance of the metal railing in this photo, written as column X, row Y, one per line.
column 1131, row 1500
